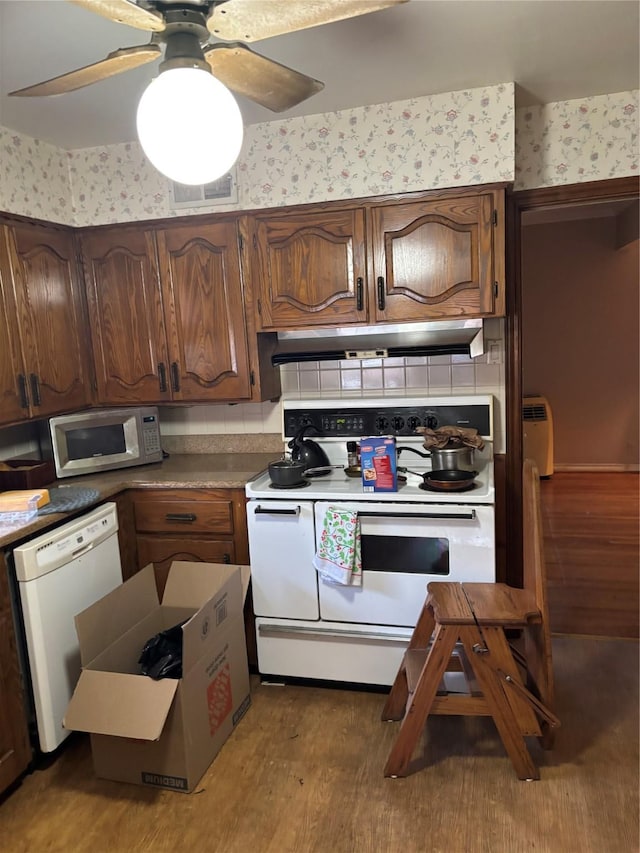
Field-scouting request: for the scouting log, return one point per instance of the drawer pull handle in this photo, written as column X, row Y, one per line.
column 182, row 517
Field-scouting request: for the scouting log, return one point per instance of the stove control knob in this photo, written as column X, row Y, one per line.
column 397, row 422
column 413, row 422
column 381, row 423
column 431, row 421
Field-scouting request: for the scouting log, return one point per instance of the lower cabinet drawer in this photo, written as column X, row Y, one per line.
column 164, row 550
column 184, row 516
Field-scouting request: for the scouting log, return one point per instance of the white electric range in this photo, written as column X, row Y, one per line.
column 308, row 628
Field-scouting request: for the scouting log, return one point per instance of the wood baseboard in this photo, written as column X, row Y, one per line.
column 594, row 468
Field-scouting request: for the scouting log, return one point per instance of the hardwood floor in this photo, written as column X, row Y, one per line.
column 303, row 773
column 591, row 530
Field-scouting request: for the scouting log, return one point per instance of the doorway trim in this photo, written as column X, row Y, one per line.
column 517, row 204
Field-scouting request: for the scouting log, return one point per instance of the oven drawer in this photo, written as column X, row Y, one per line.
column 281, row 548
column 362, row 654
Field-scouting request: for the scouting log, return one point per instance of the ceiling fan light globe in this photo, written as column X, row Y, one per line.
column 189, row 126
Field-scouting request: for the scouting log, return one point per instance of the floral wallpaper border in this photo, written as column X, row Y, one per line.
column 454, row 139
column 590, row 139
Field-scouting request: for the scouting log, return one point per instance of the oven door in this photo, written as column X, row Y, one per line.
column 404, row 547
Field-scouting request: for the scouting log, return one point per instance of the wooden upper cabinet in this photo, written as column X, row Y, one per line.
column 127, row 323
column 43, row 369
column 438, row 258
column 168, row 316
column 204, row 311
column 308, row 269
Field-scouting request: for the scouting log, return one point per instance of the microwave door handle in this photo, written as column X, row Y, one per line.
column 470, row 515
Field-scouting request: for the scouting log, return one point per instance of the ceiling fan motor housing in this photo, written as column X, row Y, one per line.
column 185, row 34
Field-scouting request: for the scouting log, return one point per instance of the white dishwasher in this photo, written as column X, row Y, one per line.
column 59, row 574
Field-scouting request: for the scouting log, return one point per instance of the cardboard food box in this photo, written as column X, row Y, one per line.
column 163, row 733
column 378, row 462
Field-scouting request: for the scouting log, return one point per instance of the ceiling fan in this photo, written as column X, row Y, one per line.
column 184, row 30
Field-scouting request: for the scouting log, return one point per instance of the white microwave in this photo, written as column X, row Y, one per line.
column 101, row 440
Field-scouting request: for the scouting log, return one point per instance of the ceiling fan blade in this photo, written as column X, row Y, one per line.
column 252, row 20
column 125, row 12
column 262, row 80
column 116, row 62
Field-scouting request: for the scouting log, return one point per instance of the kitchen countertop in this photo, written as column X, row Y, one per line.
column 179, row 471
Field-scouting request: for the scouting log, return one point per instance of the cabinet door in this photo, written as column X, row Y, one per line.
column 309, row 269
column 15, row 751
column 434, row 259
column 202, row 292
column 14, row 403
column 164, row 550
column 50, row 317
column 125, row 309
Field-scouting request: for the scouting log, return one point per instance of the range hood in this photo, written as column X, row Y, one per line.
column 440, row 337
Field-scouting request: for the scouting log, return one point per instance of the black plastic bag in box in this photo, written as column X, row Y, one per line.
column 161, row 656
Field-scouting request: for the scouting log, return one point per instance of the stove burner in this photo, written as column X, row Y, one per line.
column 466, row 487
column 301, row 485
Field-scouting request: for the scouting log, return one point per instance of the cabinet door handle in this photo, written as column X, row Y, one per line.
column 35, row 389
column 359, row 305
column 22, row 385
column 381, row 293
column 182, row 517
column 175, row 376
column 226, row 559
column 162, row 376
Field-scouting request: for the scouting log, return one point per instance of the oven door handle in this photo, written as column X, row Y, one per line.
column 260, row 510
column 470, row 515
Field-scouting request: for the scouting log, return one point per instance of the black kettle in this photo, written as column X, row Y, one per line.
column 306, row 451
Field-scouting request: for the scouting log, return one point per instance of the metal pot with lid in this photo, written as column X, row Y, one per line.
column 454, row 458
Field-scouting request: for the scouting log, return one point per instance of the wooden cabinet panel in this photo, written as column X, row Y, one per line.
column 434, row 258
column 217, row 534
column 202, row 294
column 162, row 551
column 195, row 516
column 14, row 403
column 127, row 322
column 15, row 751
column 168, row 316
column 309, row 268
column 43, row 367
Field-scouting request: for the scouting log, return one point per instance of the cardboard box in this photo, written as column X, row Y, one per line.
column 163, row 733
column 378, row 462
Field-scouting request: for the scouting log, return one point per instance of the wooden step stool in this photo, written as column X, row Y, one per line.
column 462, row 628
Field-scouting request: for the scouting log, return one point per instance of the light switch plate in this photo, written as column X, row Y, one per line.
column 494, row 353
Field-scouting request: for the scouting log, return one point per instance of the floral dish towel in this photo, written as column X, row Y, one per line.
column 338, row 559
